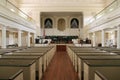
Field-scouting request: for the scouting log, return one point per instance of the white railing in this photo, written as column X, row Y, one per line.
column 113, row 6
column 15, row 9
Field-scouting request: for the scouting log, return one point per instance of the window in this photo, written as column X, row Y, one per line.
column 74, row 23
column 48, row 23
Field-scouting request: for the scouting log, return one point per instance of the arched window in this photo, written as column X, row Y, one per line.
column 74, row 23
column 48, row 23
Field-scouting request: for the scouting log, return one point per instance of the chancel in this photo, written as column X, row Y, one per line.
column 59, row 39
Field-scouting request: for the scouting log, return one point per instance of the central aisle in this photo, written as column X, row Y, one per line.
column 60, row 68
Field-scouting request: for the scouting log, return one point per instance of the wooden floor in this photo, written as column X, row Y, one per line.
column 60, row 68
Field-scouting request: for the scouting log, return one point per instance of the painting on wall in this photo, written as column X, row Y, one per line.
column 61, row 24
column 74, row 23
column 48, row 23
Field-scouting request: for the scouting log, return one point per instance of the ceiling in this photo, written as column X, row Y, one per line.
column 88, row 8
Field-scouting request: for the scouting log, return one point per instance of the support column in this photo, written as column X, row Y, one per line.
column 81, row 30
column 103, row 38
column 34, row 34
column 40, row 33
column 28, row 39
column 94, row 40
column 114, row 38
column 118, row 37
column 3, row 37
column 19, row 38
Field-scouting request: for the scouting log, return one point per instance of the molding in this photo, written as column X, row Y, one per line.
column 109, row 20
column 61, row 5
column 6, row 14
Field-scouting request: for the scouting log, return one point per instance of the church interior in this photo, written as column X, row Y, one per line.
column 59, row 39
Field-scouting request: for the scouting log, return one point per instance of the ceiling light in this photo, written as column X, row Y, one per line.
column 111, row 9
column 12, row 10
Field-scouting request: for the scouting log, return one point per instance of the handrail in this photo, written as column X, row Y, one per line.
column 105, row 11
column 18, row 8
column 24, row 15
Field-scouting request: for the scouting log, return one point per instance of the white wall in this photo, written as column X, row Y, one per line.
column 24, row 39
column 98, row 37
column 68, row 31
column 11, row 38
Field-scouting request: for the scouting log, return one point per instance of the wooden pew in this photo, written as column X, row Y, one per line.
column 44, row 64
column 78, row 59
column 82, row 50
column 37, row 58
column 77, row 51
column 11, row 73
column 94, row 57
column 8, row 50
column 28, row 67
column 107, row 73
column 47, row 53
column 74, row 52
column 36, row 51
column 90, row 66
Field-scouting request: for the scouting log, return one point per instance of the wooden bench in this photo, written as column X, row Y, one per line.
column 94, row 57
column 28, row 67
column 37, row 58
column 107, row 73
column 90, row 66
column 11, row 73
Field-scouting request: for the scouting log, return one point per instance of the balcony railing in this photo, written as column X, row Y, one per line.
column 16, row 10
column 114, row 5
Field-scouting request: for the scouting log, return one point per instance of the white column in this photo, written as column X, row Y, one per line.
column 81, row 28
column 40, row 33
column 34, row 34
column 28, row 39
column 113, row 37
column 94, row 39
column 103, row 38
column 3, row 37
column 118, row 37
column 19, row 38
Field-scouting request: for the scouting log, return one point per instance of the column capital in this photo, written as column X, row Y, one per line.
column 102, row 29
column 2, row 25
column 28, row 33
column 20, row 31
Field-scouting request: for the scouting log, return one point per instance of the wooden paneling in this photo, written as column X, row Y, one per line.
column 61, row 47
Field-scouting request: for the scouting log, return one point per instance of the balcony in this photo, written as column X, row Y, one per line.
column 10, row 12
column 106, row 17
